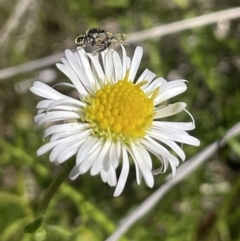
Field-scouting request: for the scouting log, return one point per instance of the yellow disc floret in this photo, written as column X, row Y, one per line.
column 122, row 111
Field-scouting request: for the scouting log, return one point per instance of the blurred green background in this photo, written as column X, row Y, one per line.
column 205, row 206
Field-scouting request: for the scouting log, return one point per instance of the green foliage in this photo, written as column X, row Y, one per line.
column 205, row 206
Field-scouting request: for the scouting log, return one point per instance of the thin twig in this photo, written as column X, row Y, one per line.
column 155, row 32
column 183, row 171
column 182, row 25
column 14, row 20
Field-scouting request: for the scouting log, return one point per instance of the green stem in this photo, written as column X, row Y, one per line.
column 52, row 190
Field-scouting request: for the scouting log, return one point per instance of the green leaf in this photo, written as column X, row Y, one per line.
column 32, row 227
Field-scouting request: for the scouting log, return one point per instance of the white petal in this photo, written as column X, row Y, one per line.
column 145, row 156
column 98, row 68
column 45, row 91
column 107, row 63
column 143, row 76
column 66, row 128
column 124, row 62
column 111, row 179
column 67, row 102
column 149, row 77
column 157, row 149
column 128, row 60
column 47, row 147
column 169, row 110
column 65, row 144
column 74, row 173
column 182, row 138
column 86, row 66
column 55, row 116
column 114, row 155
column 98, row 165
column 87, row 148
column 135, row 63
column 154, row 85
column 145, row 170
column 90, row 159
column 117, row 67
column 43, row 104
column 104, row 175
column 76, row 66
column 69, row 151
column 63, row 135
column 73, row 77
column 171, row 91
column 174, row 125
column 124, row 173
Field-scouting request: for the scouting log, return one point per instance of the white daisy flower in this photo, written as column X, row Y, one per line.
column 116, row 120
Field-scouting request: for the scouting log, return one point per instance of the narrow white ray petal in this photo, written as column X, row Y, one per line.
column 108, row 63
column 165, row 165
column 150, row 76
column 43, row 104
column 65, row 144
column 70, row 151
column 65, row 85
column 63, row 104
column 174, row 83
column 66, row 107
column 124, row 173
column 112, row 178
column 63, row 135
column 86, row 66
column 169, row 110
column 145, row 170
column 87, row 148
column 115, row 154
column 145, row 156
column 154, row 85
column 124, row 62
column 97, row 66
column 163, row 168
column 128, row 60
column 187, row 126
column 75, row 65
column 90, row 160
column 55, row 116
column 82, row 74
column 104, row 175
column 66, row 127
column 45, row 91
column 68, row 102
column 176, row 148
column 135, row 63
column 173, row 167
column 138, row 172
column 97, row 166
column 47, row 147
column 74, row 173
column 168, row 130
column 117, row 66
column 76, row 56
column 143, row 76
column 65, row 62
column 156, row 148
column 187, row 139
column 73, row 77
column 169, row 94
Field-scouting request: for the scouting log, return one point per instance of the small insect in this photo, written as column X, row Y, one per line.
column 100, row 39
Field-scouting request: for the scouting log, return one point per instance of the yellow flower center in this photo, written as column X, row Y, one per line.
column 120, row 111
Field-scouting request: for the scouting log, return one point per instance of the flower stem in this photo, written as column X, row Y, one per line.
column 52, row 190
